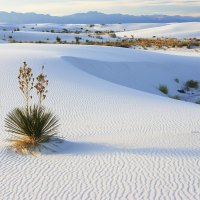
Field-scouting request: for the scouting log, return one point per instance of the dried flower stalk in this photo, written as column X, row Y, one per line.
column 26, row 82
column 42, row 83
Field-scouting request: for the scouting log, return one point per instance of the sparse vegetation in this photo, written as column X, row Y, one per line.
column 65, row 30
column 176, row 97
column 77, row 40
column 192, row 84
column 124, row 42
column 145, row 42
column 16, row 29
column 99, row 37
column 113, row 35
column 58, row 39
column 164, row 89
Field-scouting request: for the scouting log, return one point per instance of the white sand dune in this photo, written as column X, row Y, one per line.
column 35, row 36
column 174, row 30
column 119, row 142
column 49, row 32
column 79, row 27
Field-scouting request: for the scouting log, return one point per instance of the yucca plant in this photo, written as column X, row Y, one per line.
column 31, row 128
column 31, row 125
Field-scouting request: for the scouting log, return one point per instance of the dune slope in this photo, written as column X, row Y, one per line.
column 172, row 30
column 119, row 142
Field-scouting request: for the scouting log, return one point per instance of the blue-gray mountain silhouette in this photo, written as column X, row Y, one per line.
column 92, row 17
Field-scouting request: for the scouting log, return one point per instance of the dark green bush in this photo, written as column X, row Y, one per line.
column 192, row 84
column 164, row 89
column 31, row 128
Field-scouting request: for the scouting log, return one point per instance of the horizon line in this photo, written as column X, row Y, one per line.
column 157, row 14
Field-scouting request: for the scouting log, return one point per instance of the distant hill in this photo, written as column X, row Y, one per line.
column 91, row 17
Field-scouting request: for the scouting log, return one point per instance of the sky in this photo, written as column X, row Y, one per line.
column 133, row 7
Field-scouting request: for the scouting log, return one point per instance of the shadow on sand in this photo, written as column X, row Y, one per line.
column 83, row 148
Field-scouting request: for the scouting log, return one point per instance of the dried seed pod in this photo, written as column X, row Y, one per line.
column 26, row 82
column 41, row 85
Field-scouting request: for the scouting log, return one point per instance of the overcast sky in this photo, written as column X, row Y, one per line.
column 134, row 7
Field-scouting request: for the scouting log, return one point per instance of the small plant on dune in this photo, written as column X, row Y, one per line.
column 32, row 125
column 32, row 128
column 58, row 39
column 113, row 35
column 164, row 89
column 192, row 84
column 197, row 102
column 78, row 39
column 176, row 97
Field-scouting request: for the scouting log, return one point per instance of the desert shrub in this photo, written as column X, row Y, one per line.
column 65, row 30
column 32, row 128
column 78, row 39
column 16, row 29
column 58, row 39
column 113, row 35
column 32, row 125
column 164, row 89
column 98, row 37
column 99, row 32
column 192, row 84
column 197, row 102
column 176, row 97
column 12, row 41
column 151, row 42
column 40, row 42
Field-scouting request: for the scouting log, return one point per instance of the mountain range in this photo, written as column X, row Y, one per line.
column 91, row 17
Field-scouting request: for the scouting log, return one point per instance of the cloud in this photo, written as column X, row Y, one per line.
column 137, row 7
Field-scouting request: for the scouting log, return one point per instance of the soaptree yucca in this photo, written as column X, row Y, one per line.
column 31, row 125
column 31, row 128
